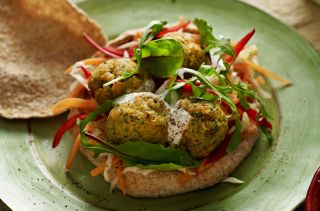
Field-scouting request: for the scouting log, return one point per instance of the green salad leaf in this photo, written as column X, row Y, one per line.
column 209, row 41
column 244, row 92
column 235, row 138
column 221, row 91
column 144, row 153
column 162, row 167
column 202, row 94
column 103, row 108
column 152, row 31
column 162, row 58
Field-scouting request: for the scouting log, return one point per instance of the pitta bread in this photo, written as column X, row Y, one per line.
column 38, row 40
column 166, row 183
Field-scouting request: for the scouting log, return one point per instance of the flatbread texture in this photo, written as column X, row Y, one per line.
column 38, row 40
column 162, row 184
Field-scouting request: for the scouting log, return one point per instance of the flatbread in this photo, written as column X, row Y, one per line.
column 167, row 183
column 38, row 40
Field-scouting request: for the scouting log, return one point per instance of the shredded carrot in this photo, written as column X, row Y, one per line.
column 235, row 100
column 90, row 61
column 260, row 80
column 77, row 90
column 267, row 73
column 94, row 61
column 67, row 103
column 201, row 168
column 117, row 163
column 98, row 170
column 137, row 36
column 243, row 71
column 73, row 152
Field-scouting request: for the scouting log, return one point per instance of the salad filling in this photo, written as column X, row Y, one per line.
column 167, row 98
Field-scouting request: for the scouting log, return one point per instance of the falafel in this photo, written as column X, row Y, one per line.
column 144, row 118
column 109, row 70
column 194, row 55
column 207, row 127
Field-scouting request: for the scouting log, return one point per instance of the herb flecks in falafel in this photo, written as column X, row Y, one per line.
column 108, row 71
column 207, row 127
column 142, row 119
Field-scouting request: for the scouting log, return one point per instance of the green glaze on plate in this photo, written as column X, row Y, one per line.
column 276, row 178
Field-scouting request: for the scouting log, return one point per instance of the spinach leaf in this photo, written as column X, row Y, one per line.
column 140, row 152
column 148, row 34
column 162, row 58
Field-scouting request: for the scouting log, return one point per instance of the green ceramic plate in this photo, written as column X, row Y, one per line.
column 276, row 178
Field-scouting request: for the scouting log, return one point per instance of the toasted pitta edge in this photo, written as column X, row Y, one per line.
column 38, row 40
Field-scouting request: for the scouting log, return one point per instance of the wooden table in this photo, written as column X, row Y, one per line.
column 303, row 15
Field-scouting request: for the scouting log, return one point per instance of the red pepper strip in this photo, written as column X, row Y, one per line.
column 252, row 114
column 181, row 25
column 66, row 126
column 265, row 123
column 240, row 45
column 119, row 52
column 98, row 47
column 85, row 72
column 187, row 88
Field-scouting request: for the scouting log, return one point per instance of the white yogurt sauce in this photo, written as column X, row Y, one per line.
column 178, row 121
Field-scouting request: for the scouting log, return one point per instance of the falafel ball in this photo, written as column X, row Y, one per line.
column 194, row 55
column 141, row 118
column 207, row 127
column 109, row 70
